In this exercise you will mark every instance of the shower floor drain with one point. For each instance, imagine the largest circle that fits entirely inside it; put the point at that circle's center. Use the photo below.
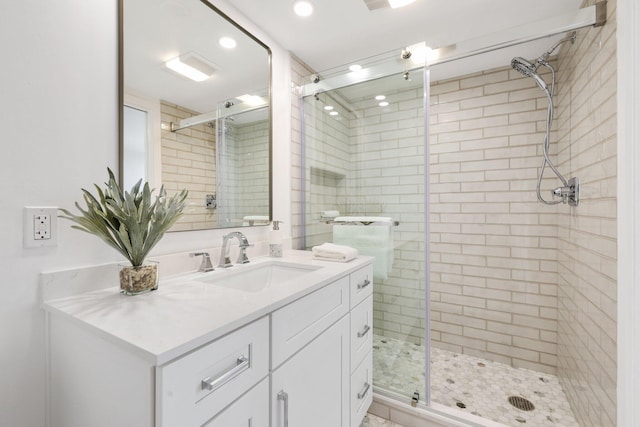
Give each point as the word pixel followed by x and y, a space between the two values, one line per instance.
pixel 521 403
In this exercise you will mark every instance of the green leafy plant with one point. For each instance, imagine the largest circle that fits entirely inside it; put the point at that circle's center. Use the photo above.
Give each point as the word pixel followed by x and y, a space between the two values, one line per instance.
pixel 129 222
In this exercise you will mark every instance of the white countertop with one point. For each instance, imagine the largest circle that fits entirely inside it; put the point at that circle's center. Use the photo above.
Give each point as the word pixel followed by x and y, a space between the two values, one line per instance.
pixel 183 313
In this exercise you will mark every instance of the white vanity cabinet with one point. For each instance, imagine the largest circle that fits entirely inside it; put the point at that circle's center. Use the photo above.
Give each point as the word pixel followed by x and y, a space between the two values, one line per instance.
pixel 361 342
pixel 296 359
pixel 308 384
pixel 192 389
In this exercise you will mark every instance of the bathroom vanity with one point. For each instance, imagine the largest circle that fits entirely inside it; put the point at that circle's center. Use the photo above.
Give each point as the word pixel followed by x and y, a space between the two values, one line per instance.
pixel 277 342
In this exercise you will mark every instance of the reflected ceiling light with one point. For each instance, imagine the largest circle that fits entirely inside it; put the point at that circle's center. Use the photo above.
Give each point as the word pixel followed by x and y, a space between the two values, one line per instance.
pixel 227 42
pixel 252 100
pixel 333 113
pixel 380 97
pixel 303 8
pixel 192 66
pixel 355 67
pixel 383 104
pixel 328 107
pixel 399 3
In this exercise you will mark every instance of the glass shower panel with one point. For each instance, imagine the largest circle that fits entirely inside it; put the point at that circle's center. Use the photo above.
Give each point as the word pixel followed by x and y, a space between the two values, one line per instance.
pixel 493 247
pixel 364 156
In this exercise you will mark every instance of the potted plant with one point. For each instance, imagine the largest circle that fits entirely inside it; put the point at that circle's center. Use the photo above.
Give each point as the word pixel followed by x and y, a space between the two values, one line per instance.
pixel 132 224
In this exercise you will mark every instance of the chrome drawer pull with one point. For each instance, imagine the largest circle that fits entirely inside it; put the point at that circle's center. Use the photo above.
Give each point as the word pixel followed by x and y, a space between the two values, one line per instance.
pixel 242 364
pixel 364 331
pixel 282 395
pixel 364 284
pixel 364 391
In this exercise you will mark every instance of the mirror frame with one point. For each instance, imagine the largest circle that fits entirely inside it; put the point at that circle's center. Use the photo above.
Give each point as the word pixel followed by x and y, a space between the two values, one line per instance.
pixel 120 46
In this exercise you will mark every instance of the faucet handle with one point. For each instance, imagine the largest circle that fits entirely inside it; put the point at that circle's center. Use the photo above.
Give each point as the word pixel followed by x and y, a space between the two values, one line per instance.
pixel 205 265
pixel 242 256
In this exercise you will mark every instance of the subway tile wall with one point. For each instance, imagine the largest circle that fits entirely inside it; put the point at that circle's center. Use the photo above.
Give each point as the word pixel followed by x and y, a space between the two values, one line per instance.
pixel 189 161
pixel 245 183
pixel 493 245
pixel 587 259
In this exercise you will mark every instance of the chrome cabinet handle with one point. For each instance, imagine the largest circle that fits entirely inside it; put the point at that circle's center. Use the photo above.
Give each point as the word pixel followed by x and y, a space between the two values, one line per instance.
pixel 364 284
pixel 364 391
pixel 242 364
pixel 364 331
pixel 282 395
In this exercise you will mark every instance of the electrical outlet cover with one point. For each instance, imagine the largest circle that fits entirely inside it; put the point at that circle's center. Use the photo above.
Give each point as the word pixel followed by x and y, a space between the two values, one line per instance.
pixel 40 227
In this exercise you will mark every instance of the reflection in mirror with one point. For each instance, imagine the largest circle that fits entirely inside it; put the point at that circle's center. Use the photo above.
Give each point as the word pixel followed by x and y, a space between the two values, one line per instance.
pixel 208 130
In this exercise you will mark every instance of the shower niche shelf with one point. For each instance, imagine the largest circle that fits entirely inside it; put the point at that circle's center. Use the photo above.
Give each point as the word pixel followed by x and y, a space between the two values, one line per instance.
pixel 326 177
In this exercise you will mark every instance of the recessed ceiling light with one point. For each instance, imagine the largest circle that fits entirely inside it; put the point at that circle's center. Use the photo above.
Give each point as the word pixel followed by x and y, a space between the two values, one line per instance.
pixel 227 42
pixel 355 67
pixel 380 97
pixel 399 3
pixel 328 107
pixel 252 100
pixel 303 8
pixel 383 104
pixel 333 113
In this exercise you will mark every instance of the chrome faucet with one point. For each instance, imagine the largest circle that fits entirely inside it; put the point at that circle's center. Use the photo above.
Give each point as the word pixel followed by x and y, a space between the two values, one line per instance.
pixel 225 262
pixel 205 265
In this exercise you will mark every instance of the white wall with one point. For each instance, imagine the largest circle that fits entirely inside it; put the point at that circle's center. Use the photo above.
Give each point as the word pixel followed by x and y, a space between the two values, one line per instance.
pixel 58 102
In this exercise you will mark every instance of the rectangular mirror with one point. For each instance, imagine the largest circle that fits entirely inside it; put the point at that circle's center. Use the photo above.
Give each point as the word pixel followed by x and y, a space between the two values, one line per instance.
pixel 195 111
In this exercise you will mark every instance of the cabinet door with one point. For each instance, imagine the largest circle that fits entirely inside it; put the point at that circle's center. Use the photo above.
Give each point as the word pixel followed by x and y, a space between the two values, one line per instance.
pixel 312 388
pixel 251 410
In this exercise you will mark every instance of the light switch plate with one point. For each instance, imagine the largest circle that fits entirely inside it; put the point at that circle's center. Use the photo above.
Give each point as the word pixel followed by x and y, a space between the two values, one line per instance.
pixel 40 226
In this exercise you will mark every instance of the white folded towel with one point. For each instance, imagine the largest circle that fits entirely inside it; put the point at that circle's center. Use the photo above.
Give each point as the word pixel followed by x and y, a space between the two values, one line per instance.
pixel 329 214
pixel 333 252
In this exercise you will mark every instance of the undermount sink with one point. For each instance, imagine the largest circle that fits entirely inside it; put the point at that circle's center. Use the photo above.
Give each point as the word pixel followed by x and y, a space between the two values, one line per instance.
pixel 257 277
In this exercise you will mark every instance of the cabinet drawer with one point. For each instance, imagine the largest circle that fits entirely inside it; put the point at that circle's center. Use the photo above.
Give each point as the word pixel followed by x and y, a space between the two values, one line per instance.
pixel 361 284
pixel 361 331
pixel 251 410
pixel 361 390
pixel 296 324
pixel 197 386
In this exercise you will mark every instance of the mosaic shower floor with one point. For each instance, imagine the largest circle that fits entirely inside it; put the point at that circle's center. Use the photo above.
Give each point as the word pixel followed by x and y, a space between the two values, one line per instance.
pixel 477 386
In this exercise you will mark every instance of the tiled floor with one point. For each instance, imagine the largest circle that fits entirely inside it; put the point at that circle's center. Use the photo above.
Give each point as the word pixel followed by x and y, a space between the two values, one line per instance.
pixel 373 421
pixel 473 385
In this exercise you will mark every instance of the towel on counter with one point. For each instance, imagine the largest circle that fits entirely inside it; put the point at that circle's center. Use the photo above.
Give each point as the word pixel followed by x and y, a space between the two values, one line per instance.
pixel 333 252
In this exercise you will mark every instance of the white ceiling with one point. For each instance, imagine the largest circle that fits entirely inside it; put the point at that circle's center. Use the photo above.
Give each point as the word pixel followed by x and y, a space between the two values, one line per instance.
pixel 158 30
pixel 343 31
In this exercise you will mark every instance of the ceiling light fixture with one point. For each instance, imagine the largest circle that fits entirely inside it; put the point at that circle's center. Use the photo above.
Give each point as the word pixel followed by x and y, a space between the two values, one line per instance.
pixel 227 42
pixel 399 3
pixel 383 104
pixel 252 100
pixel 380 97
pixel 355 67
pixel 303 8
pixel 192 67
pixel 333 113
pixel 328 107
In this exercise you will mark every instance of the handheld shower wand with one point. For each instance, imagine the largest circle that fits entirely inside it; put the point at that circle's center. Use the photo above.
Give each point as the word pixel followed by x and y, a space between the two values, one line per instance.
pixel 569 191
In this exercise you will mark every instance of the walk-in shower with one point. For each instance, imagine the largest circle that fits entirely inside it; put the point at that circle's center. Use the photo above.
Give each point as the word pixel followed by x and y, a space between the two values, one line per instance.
pixel 486 311
pixel 570 190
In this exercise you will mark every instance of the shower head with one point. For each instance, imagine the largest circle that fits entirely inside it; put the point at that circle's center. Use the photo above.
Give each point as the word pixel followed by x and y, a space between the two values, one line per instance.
pixel 528 69
pixel 523 66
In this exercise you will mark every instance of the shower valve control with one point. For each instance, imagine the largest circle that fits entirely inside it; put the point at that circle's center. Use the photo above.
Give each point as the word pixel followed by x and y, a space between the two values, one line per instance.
pixel 569 194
